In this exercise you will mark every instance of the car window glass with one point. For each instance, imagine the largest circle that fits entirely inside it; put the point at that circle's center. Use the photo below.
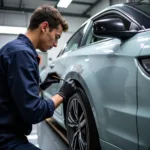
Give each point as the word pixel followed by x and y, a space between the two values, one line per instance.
pixel 91 38
pixel 62 51
pixel 75 40
pixel 59 54
pixel 144 7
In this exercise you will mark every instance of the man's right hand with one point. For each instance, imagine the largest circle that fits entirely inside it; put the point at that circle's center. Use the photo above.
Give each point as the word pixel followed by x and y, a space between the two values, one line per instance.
pixel 68 89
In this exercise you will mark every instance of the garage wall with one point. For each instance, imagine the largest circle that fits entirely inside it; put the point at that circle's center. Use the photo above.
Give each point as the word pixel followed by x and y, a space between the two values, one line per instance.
pixel 11 19
pixel 100 6
pixel 21 19
pixel 105 3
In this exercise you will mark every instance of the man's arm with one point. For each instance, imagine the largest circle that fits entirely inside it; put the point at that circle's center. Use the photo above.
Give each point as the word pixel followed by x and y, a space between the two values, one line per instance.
pixel 23 81
pixel 66 91
pixel 24 87
pixel 57 99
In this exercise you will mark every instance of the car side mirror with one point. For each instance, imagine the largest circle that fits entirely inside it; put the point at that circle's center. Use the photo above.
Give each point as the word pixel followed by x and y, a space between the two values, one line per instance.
pixel 107 25
pixel 112 27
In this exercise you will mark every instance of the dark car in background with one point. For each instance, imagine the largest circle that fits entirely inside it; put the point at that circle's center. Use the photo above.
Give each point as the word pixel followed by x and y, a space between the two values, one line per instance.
pixel 109 59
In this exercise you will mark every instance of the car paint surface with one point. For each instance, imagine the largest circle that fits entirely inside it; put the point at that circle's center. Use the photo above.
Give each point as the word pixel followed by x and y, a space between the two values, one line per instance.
pixel 143 115
pixel 116 87
pixel 109 67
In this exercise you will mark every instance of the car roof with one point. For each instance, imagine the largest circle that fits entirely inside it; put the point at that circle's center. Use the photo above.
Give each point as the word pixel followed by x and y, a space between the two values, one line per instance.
pixel 122 7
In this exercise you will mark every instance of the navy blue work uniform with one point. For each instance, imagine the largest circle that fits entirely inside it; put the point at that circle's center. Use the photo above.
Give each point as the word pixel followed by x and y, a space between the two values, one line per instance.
pixel 20 103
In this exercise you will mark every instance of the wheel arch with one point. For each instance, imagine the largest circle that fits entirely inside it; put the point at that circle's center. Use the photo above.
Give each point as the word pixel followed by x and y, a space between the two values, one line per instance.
pixel 82 84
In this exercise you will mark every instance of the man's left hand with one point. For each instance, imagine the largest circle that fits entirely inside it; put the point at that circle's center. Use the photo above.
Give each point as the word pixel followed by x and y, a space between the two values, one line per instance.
pixel 49 80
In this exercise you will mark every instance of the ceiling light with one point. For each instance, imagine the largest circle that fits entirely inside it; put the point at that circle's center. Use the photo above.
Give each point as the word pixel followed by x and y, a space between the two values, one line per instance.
pixel 64 3
pixel 12 30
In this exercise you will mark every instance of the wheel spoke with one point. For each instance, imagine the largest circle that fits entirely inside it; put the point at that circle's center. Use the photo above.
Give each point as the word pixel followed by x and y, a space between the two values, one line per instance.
pixel 81 117
pixel 72 122
pixel 82 144
pixel 74 140
pixel 72 125
pixel 83 123
pixel 75 109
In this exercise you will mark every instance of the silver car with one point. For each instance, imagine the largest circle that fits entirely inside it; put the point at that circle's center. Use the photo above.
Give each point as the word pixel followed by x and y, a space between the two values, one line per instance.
pixel 109 59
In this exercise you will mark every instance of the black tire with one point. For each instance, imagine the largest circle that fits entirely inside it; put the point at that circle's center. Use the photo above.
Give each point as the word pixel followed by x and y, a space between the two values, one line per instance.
pixel 81 129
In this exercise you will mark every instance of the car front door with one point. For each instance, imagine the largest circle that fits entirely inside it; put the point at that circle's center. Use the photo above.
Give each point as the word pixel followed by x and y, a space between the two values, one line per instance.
pixel 115 74
pixel 143 86
pixel 57 65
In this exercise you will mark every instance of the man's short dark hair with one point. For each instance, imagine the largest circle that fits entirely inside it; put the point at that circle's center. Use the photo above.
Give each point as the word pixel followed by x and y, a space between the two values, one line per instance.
pixel 50 14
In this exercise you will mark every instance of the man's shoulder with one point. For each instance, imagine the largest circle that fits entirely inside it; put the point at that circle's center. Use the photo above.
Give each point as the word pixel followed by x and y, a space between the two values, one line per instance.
pixel 15 46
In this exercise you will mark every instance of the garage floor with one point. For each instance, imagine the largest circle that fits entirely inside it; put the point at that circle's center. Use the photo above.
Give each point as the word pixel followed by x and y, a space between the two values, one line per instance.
pixel 46 138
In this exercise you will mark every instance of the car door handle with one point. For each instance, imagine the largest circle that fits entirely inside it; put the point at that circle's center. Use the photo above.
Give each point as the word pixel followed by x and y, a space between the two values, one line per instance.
pixel 52 65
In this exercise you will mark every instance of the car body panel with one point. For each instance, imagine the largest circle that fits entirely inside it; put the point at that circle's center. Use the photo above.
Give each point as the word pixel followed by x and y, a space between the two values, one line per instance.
pixel 119 104
pixel 115 85
pixel 108 146
pixel 59 66
pixel 143 114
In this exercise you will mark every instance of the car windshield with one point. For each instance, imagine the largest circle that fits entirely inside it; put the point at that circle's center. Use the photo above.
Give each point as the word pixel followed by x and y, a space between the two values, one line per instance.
pixel 143 6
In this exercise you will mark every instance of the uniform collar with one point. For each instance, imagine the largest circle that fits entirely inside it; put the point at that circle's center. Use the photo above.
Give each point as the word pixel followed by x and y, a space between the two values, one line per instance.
pixel 27 41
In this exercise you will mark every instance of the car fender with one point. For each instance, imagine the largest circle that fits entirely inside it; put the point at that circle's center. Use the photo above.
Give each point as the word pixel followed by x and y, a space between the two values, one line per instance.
pixel 76 76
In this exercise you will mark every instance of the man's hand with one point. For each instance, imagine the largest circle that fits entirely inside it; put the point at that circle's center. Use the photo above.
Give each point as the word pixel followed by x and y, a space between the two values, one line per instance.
pixel 49 80
pixel 68 89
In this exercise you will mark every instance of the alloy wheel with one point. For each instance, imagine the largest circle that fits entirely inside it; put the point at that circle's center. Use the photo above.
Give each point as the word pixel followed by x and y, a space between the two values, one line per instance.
pixel 77 126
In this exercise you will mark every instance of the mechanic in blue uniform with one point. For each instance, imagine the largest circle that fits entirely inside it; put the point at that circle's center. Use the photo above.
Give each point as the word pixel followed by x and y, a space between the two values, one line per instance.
pixel 20 103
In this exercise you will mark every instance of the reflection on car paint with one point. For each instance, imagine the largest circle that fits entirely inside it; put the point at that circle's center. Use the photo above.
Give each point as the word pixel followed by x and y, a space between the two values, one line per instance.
pixel 78 68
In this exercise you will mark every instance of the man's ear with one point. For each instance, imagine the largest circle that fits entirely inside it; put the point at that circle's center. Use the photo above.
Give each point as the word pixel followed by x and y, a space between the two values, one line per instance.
pixel 44 25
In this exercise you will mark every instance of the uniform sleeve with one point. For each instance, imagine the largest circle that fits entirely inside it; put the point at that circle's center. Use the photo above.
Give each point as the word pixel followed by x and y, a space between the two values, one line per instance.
pixel 24 87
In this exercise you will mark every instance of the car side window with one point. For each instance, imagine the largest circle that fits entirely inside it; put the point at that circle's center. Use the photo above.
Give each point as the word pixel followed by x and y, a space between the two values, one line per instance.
pixel 91 38
pixel 75 40
pixel 59 54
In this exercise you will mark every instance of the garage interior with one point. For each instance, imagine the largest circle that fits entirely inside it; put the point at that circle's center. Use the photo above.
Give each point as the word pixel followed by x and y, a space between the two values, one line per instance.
pixel 16 13
pixel 14 19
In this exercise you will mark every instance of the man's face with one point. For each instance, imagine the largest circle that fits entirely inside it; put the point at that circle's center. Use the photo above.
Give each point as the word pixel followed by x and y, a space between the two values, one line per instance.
pixel 49 38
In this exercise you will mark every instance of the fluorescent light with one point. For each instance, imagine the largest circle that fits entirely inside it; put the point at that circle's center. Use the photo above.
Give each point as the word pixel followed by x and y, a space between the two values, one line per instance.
pixel 12 30
pixel 64 3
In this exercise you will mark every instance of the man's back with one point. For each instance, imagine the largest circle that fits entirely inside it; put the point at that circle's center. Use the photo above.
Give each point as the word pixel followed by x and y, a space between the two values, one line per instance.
pixel 11 123
pixel 20 103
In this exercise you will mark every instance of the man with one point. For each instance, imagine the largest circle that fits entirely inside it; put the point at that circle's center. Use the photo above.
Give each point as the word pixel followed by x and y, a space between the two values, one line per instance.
pixel 20 104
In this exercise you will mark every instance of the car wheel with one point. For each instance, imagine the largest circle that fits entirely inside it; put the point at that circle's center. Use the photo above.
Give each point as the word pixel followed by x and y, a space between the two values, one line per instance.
pixel 81 129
